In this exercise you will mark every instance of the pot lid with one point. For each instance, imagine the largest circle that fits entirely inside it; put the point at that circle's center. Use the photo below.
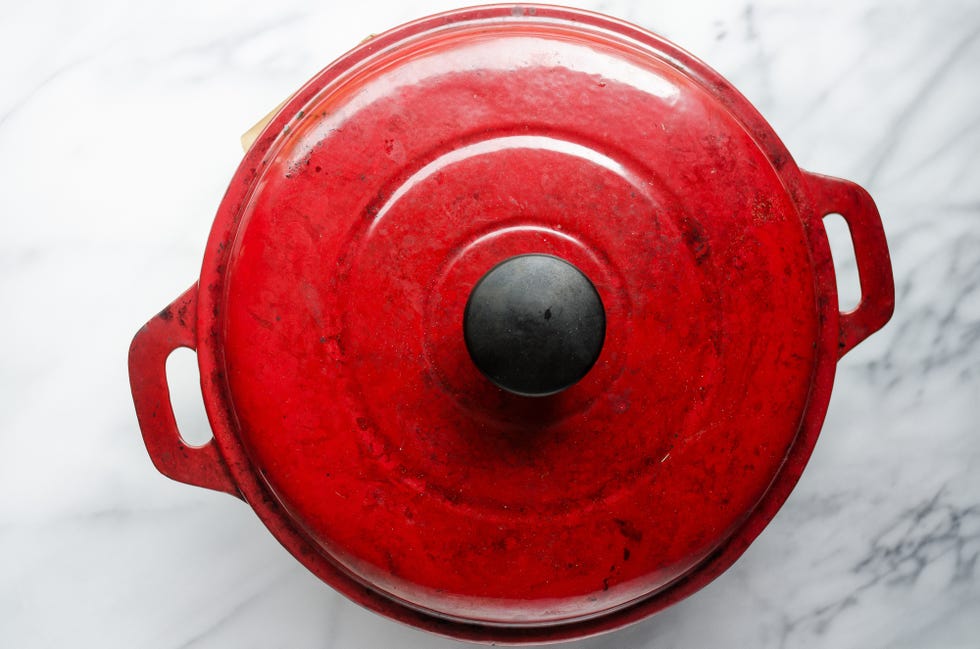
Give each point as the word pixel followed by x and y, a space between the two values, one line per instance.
pixel 513 203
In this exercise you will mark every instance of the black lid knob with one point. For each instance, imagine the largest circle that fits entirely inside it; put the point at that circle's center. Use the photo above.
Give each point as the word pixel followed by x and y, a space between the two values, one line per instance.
pixel 534 325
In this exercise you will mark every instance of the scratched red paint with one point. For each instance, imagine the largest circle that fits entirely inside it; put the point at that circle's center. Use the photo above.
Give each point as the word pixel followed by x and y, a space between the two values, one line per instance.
pixel 328 323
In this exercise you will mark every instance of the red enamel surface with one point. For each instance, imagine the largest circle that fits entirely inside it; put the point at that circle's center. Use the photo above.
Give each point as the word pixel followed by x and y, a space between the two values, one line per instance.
pixel 330 323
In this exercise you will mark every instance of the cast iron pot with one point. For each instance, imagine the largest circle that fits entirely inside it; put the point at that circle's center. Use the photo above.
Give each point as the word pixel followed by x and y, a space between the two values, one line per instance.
pixel 516 324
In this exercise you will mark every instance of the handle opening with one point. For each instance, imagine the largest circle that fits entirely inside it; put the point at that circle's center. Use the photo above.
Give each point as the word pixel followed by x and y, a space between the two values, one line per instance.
pixel 184 384
pixel 845 262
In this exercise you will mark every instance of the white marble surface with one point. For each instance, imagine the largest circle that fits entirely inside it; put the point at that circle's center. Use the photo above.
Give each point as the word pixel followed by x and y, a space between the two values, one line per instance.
pixel 119 125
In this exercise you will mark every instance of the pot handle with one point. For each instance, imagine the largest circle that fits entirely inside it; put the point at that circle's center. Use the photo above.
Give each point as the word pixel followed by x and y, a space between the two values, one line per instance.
pixel 851 201
pixel 173 327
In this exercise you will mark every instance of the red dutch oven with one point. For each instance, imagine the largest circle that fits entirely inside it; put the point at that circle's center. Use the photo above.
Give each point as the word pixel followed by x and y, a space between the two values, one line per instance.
pixel 516 324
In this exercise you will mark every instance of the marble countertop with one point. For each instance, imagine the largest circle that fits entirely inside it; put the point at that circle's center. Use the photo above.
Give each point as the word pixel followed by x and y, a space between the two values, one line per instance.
pixel 119 127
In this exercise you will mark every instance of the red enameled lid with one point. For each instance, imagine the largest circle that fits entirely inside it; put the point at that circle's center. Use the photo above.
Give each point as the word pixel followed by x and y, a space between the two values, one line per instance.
pixel 376 212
